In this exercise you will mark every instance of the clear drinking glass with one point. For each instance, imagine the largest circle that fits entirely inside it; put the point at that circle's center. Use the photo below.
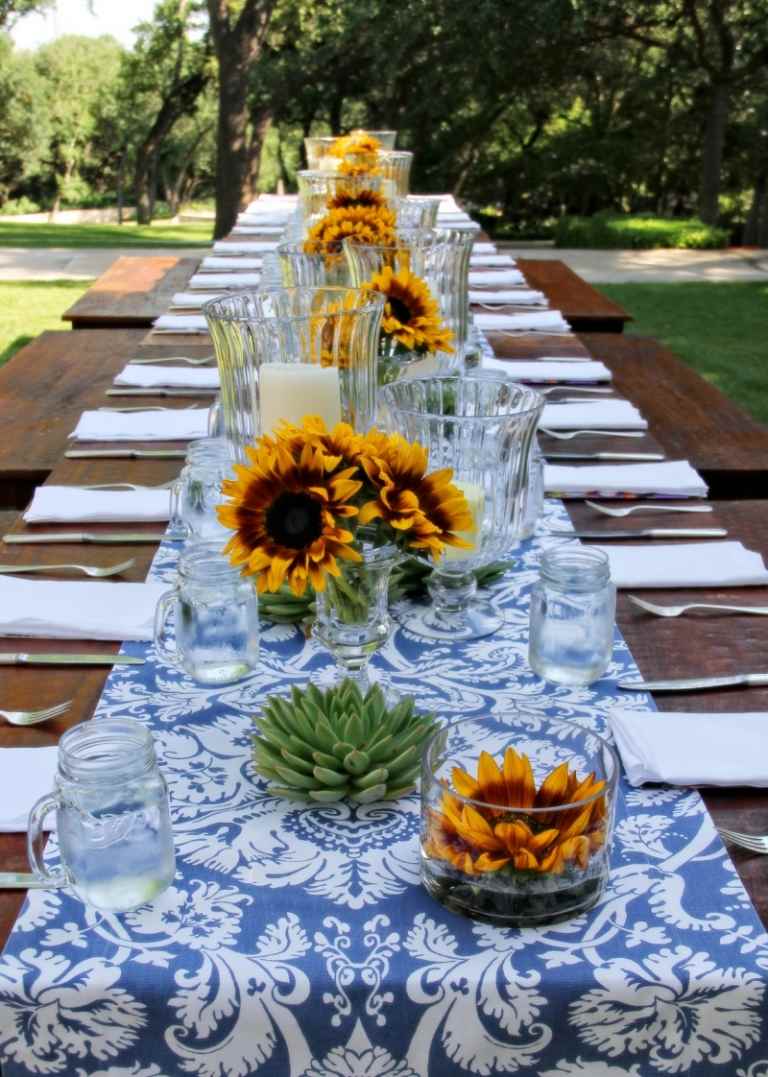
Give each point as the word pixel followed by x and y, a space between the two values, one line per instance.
pixel 530 858
pixel 216 613
pixel 417 211
pixel 291 352
pixel 317 146
pixel 572 614
pixel 194 498
pixel 316 188
pixel 395 165
pixel 112 817
pixel 302 270
pixel 481 428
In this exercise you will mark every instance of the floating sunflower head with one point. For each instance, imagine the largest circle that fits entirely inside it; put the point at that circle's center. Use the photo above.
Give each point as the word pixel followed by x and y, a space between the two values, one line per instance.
pixel 426 509
pixel 500 820
pixel 369 224
pixel 357 141
pixel 345 197
pixel 286 509
pixel 411 314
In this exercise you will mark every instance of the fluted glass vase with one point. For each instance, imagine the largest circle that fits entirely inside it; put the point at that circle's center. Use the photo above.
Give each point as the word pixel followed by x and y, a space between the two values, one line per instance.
pixel 352 619
pixel 301 269
pixel 290 352
pixel 317 147
pixel 482 429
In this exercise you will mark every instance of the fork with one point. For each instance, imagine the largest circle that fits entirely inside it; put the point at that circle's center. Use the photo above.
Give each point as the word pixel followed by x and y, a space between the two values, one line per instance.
pixel 127 486
pixel 676 611
pixel 573 389
pixel 176 359
pixel 601 433
pixel 94 571
pixel 33 717
pixel 755 843
pixel 647 508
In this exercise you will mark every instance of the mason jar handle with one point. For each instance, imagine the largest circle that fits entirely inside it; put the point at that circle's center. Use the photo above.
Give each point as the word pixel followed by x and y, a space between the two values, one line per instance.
pixel 177 529
pixel 164 604
pixel 46 804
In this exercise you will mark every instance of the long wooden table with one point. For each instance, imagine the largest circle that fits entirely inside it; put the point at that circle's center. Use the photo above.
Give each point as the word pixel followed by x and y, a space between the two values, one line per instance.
pixel 134 291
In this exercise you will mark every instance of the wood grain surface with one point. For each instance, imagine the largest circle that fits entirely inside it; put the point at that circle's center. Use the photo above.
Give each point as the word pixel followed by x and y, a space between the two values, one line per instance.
pixel 134 291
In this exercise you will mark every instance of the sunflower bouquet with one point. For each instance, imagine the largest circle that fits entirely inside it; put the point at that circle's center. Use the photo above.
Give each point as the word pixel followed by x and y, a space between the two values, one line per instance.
pixel 311 501
pixel 412 325
pixel 362 213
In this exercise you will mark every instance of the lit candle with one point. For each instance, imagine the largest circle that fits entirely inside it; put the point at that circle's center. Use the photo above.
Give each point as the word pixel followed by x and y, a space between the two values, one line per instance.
pixel 289 391
pixel 475 496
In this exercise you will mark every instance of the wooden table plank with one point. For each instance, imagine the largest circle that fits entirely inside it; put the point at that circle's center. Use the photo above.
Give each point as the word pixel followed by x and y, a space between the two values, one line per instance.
pixel 583 306
pixel 45 388
pixel 689 416
pixel 134 291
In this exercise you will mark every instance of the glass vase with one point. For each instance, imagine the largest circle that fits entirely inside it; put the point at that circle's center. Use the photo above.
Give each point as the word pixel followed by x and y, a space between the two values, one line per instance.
pixel 317 147
pixel 300 269
pixel 316 188
pixel 482 429
pixel 505 839
pixel 352 619
pixel 289 352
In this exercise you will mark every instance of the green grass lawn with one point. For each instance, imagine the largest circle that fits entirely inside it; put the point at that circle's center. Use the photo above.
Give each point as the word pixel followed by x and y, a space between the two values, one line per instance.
pixel 161 234
pixel 29 307
pixel 721 330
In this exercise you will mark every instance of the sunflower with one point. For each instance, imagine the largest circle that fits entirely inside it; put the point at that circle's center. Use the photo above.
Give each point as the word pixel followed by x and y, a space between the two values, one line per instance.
pixel 360 164
pixel 357 141
pixel 285 509
pixel 411 314
pixel 500 830
pixel 427 509
pixel 370 224
pixel 345 197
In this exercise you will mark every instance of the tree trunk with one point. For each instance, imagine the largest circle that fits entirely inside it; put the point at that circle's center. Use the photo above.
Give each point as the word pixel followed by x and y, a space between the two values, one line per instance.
pixel 712 152
pixel 757 211
pixel 238 43
pixel 260 124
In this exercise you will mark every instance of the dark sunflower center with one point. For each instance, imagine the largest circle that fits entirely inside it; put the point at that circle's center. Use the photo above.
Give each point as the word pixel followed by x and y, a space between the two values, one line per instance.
pixel 294 520
pixel 400 310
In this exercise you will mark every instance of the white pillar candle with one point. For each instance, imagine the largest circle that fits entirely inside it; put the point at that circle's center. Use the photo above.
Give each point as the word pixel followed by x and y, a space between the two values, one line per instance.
pixel 289 391
pixel 475 496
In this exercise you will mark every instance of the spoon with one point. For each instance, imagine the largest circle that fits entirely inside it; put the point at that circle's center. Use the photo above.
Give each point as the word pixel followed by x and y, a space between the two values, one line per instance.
pixel 600 433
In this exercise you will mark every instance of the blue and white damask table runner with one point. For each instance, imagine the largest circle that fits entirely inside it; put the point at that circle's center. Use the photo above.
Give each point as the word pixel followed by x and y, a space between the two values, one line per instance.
pixel 297 942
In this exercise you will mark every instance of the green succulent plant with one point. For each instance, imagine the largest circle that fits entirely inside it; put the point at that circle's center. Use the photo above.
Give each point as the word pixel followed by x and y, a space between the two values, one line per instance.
pixel 408 580
pixel 325 746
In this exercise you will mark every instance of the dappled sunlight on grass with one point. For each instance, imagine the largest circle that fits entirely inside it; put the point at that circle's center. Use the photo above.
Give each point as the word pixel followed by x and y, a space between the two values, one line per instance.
pixel 29 307
pixel 162 234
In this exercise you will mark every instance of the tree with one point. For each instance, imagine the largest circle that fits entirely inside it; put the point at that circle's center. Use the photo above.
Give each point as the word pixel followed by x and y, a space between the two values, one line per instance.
pixel 238 29
pixel 81 74
pixel 12 10
pixel 23 118
pixel 163 78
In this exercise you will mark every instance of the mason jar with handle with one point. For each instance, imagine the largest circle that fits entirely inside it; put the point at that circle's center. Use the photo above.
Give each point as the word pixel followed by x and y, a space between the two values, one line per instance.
pixel 112 817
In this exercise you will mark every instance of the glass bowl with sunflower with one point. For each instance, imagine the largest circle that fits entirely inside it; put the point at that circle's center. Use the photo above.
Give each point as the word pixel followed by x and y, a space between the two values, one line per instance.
pixel 517 817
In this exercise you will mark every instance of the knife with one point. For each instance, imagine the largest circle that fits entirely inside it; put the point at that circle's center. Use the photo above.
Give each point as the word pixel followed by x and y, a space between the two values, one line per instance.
pixel 126 454
pixel 23 880
pixel 689 684
pixel 603 455
pixel 168 391
pixel 21 659
pixel 108 537
pixel 649 532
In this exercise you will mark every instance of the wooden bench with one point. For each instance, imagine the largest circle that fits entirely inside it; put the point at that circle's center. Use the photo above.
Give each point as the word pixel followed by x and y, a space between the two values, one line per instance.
pixel 132 293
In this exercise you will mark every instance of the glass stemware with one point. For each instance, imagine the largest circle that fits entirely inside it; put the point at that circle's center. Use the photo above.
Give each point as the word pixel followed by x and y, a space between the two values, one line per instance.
pixel 481 428
pixel 300 269
pixel 317 147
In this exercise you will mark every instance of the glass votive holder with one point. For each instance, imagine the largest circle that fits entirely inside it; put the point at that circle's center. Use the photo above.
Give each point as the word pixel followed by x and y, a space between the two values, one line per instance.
pixel 216 614
pixel 572 614
pixel 112 817
pixel 516 818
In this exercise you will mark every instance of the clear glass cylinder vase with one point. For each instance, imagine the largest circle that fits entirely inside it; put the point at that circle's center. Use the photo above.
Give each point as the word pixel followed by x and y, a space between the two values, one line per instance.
pixel 482 429
pixel 290 352
pixel 301 269
pixel 318 188
pixel 352 619
pixel 318 147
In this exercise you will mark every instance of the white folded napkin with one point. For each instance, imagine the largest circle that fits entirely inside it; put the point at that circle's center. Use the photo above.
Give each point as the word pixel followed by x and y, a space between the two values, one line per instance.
pixel 172 377
pixel 75 609
pixel 70 504
pixel 225 281
pixel 549 321
pixel 233 264
pixel 538 370
pixel 686 564
pixel 258 229
pixel 593 415
pixel 668 478
pixel 449 213
pixel 491 260
pixel 484 248
pixel 494 277
pixel 527 297
pixel 455 224
pixel 692 749
pixel 180 323
pixel 26 774
pixel 271 218
pixel 170 424
pixel 193 300
pixel 253 247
